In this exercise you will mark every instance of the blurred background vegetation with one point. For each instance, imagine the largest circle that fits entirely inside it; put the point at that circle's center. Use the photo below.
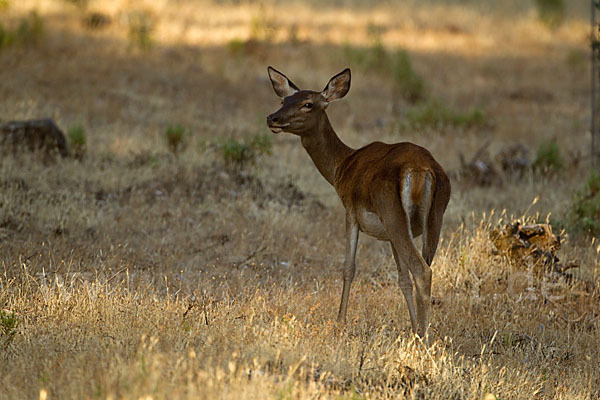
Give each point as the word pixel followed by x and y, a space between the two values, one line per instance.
pixel 182 249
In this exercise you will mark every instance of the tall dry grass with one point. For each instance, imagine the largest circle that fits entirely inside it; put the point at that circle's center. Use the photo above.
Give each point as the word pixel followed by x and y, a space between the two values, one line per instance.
pixel 135 273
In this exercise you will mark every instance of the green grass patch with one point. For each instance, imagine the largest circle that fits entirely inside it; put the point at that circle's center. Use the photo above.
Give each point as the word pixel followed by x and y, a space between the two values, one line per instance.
pixel 551 12
pixel 77 141
pixel 175 138
pixel 29 32
pixel 141 30
pixel 8 326
pixel 397 65
pixel 584 212
pixel 408 82
pixel 549 158
pixel 236 46
pixel 436 115
pixel 238 153
pixel 368 59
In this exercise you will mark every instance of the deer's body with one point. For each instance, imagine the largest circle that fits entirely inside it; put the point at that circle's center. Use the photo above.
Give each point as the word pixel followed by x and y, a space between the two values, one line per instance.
pixel 393 192
pixel 401 172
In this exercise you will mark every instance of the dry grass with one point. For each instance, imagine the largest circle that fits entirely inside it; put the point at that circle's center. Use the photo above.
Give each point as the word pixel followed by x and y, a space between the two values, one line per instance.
pixel 134 272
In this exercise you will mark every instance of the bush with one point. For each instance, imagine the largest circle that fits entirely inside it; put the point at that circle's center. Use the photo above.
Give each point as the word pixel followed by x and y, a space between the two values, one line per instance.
pixel 8 326
pixel 175 138
pixel 262 28
pixel 551 12
pixel 409 83
pixel 6 38
pixel 77 141
pixel 141 28
pixel 397 66
pixel 29 31
pixel 584 213
pixel 548 157
pixel 434 114
pixel 236 46
pixel 372 58
pixel 239 153
pixel 262 143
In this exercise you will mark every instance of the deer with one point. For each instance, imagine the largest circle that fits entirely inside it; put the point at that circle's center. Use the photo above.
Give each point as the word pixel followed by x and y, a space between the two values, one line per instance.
pixel 392 192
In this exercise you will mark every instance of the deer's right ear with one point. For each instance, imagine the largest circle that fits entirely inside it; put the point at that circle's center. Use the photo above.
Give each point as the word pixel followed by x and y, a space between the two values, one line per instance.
pixel 282 85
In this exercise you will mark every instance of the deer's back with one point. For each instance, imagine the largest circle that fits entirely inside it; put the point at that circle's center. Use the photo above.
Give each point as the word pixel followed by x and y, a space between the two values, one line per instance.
pixel 381 167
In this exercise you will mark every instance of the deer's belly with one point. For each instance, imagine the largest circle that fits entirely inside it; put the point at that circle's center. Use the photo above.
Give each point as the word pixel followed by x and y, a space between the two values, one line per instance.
pixel 370 224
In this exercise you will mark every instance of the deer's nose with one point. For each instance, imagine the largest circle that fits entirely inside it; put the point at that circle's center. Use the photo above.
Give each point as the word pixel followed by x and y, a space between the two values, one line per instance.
pixel 272 119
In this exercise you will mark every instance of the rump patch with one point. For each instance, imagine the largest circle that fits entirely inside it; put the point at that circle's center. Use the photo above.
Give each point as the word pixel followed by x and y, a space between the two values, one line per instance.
pixel 407 199
pixel 417 195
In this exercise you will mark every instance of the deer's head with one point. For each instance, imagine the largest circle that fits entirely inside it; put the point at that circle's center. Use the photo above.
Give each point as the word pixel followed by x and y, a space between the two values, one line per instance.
pixel 302 109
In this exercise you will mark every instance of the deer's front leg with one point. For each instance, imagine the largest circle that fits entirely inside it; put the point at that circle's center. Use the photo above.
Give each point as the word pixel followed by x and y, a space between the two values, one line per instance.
pixel 349 263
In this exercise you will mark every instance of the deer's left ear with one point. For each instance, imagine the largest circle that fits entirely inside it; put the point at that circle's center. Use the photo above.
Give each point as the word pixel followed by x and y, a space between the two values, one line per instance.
pixel 337 87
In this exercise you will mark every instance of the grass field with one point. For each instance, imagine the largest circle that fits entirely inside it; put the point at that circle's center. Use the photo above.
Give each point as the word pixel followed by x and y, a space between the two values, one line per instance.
pixel 138 271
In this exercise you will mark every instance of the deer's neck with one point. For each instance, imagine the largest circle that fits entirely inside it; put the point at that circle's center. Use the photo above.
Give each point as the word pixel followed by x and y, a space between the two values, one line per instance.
pixel 325 148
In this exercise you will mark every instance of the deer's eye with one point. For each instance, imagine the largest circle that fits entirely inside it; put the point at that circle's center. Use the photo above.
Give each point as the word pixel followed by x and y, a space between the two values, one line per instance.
pixel 308 105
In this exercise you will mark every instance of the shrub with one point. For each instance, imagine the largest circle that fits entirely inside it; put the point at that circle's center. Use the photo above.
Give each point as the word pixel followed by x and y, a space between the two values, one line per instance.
pixel 175 138
pixel 77 141
pixel 551 12
pixel 236 46
pixel 397 66
pixel 6 38
pixel 548 157
pixel 29 31
pixel 293 38
pixel 262 143
pixel 409 83
pixel 584 212
pixel 8 326
pixel 262 27
pixel 239 153
pixel 372 58
pixel 141 28
pixel 96 20
pixel 435 114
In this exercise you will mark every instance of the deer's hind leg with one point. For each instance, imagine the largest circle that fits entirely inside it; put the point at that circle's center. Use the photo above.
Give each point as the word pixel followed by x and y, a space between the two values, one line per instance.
pixel 349 263
pixel 394 214
pixel 406 287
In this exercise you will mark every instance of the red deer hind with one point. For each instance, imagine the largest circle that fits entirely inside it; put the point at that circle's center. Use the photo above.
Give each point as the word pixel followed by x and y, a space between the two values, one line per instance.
pixel 393 192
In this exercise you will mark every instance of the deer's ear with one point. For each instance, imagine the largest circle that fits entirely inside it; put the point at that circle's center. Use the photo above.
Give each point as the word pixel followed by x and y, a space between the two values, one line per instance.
pixel 282 85
pixel 337 87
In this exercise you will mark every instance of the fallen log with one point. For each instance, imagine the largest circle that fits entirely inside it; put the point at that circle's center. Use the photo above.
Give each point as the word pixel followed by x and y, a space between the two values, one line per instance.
pixel 531 244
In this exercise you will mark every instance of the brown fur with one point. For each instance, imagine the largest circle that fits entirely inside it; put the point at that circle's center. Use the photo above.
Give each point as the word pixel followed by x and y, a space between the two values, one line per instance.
pixel 382 186
pixel 377 165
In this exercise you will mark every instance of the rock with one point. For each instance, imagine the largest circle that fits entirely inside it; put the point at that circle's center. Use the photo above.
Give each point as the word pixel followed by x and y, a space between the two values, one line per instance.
pixel 41 135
